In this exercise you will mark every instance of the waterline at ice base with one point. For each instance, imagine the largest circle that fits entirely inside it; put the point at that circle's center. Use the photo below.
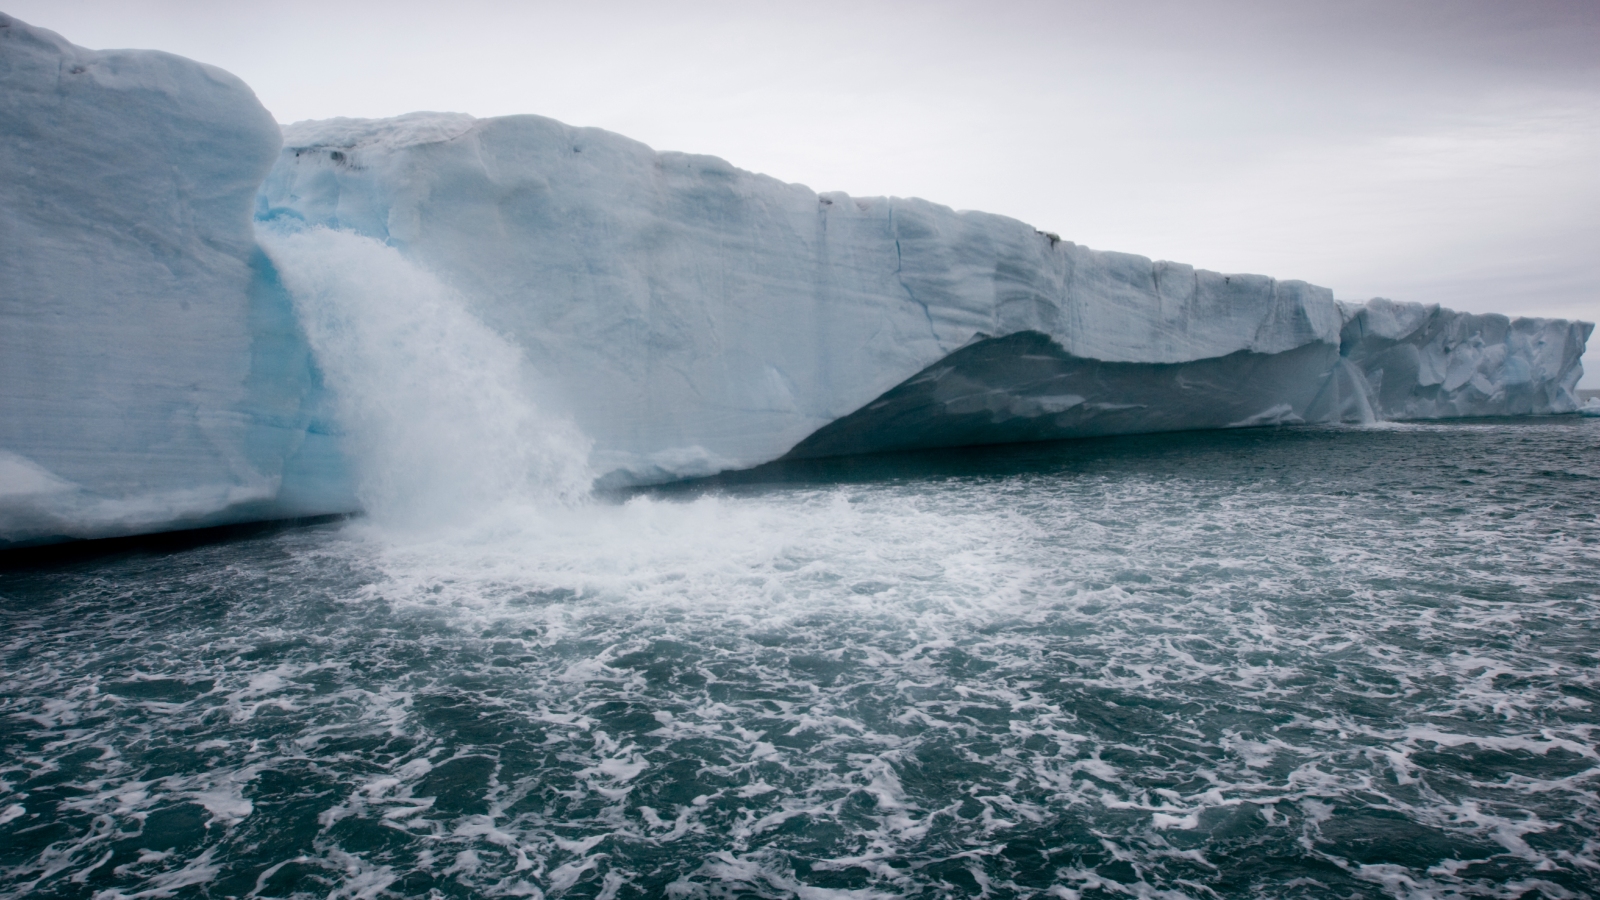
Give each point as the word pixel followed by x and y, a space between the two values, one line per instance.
pixel 208 320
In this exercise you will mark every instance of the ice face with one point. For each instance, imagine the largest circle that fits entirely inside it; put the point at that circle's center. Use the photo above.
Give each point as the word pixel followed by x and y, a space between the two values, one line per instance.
pixel 1423 362
pixel 151 370
pixel 693 317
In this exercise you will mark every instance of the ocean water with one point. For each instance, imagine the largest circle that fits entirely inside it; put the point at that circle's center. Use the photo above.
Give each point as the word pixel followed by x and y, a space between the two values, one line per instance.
pixel 1294 662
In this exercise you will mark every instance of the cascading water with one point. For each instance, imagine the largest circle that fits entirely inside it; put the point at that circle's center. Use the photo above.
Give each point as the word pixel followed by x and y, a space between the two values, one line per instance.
pixel 437 407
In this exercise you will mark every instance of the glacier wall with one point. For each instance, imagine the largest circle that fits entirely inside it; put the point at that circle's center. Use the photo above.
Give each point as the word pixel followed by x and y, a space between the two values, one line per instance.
pixel 693 317
pixel 1394 361
pixel 1424 362
pixel 152 372
pixel 205 320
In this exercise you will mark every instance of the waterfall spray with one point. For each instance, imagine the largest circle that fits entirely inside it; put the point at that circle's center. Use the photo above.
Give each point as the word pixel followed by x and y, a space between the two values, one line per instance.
pixel 437 408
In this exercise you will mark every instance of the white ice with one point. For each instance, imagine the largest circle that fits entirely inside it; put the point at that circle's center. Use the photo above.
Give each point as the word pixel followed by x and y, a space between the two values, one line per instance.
pixel 151 373
pixel 692 317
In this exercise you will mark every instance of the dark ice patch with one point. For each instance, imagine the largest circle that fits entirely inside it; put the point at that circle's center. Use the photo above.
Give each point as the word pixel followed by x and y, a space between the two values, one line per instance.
pixel 1025 387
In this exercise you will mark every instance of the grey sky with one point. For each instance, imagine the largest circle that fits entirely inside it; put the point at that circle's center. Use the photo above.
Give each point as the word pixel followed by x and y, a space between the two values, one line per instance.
pixel 1437 150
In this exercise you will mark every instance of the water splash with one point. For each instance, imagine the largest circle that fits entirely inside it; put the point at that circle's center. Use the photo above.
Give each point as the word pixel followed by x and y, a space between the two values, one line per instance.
pixel 438 409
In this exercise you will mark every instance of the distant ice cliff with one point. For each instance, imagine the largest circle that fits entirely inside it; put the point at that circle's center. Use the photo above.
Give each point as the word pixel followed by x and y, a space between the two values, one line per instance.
pixel 670 314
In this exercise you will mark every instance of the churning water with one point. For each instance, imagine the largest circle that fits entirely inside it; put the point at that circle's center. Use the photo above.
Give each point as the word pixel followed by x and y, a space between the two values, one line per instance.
pixel 1304 662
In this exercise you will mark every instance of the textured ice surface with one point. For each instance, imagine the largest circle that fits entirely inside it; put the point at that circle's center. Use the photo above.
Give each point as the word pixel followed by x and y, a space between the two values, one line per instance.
pixel 1423 362
pixel 694 317
pixel 151 370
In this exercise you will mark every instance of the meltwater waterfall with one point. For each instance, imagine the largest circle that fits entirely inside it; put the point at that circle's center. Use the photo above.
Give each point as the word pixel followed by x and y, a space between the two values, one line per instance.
pixel 437 410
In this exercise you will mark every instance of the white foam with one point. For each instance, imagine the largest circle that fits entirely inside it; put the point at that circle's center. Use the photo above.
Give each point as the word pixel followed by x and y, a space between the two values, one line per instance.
pixel 1150 654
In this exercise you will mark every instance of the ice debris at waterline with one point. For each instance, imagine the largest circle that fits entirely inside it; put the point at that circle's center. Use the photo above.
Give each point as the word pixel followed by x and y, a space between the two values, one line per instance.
pixel 645 316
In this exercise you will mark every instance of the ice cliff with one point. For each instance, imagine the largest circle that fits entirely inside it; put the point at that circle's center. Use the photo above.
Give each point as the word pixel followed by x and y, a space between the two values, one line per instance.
pixel 163 358
pixel 694 317
pixel 152 375
pixel 1424 362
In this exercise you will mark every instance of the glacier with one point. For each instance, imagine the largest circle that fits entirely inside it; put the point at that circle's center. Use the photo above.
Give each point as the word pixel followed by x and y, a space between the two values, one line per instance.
pixel 205 319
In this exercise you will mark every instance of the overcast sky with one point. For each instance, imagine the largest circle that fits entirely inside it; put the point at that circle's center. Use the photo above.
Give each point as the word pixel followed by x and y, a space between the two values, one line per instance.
pixel 1435 150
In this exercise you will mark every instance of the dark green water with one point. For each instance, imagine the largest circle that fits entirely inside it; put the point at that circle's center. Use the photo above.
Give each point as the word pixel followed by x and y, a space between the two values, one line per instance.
pixel 1267 663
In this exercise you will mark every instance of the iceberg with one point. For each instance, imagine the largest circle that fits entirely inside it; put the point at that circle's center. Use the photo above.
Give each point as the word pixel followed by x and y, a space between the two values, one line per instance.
pixel 205 319
pixel 152 373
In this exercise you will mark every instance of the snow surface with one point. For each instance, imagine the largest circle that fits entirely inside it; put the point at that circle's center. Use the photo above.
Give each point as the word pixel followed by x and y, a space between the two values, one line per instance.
pixel 151 372
pixel 515 307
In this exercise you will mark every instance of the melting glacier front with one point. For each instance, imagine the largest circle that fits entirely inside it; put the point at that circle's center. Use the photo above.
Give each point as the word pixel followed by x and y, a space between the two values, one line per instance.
pixel 1395 361
pixel 153 375
pixel 692 317
pixel 177 349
